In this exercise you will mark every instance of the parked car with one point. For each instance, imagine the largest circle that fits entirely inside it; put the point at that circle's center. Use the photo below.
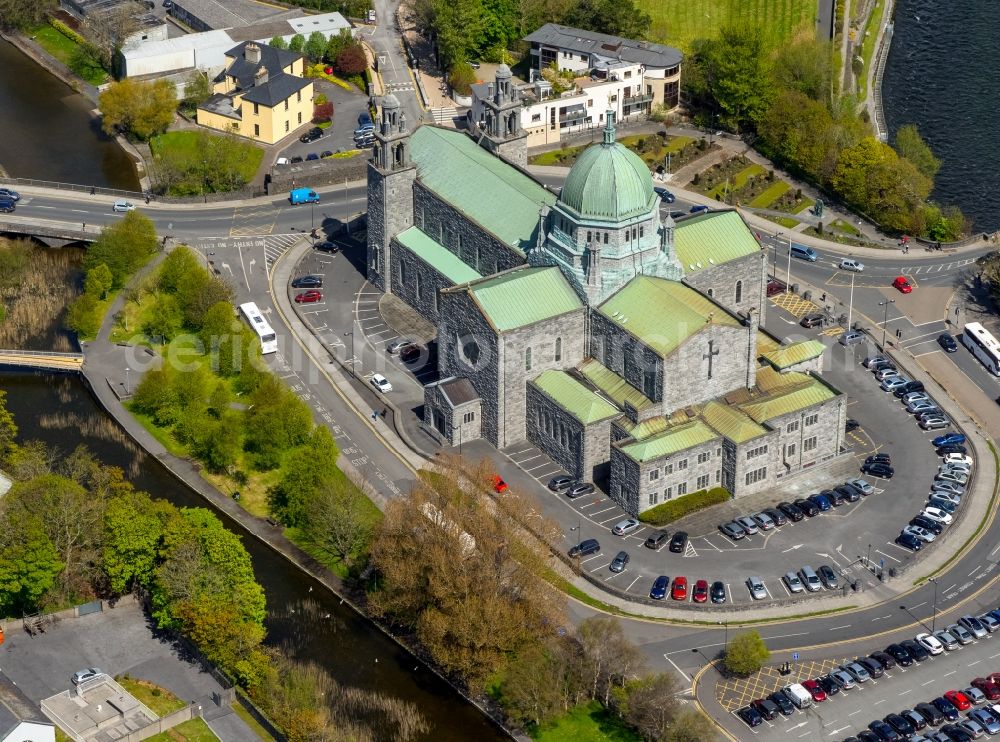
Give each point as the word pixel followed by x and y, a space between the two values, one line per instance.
pixel 902 727
pixel 902 285
pixel 884 373
pixel 698 209
pixel 921 533
pixel 585 548
pixel 750 716
pixel 560 483
pixel 989 689
pixel 851 337
pixel 807 506
pixel 665 195
pixel 659 589
pixel 764 521
pixel 850 264
pixel 312 135
pixel 866 487
pixel 748 524
pixel 814 319
pixel 733 530
pixel 717 592
pixel 307 282
pixel 879 458
pixel 756 587
pixel 958 458
pixel 913 387
pixel 656 540
pixel 843 678
pixel 679 589
pixel 873 667
pixel 767 708
pixel 781 701
pixel 309 297
pixel 947 439
pixel 859 673
pixel 961 633
pixel 884 658
pixel 794 513
pixel 974 625
pixel 958 699
pixel 828 576
pixel 917 650
pixel 815 690
pixel 577 489
pixel 900 653
pixel 909 541
pixel 678 542
pixel 930 643
pixel 820 501
pixel 987 719
pixel 952 487
pixel 948 641
pixel 620 561
pixel 883 731
pixel 930 712
pixel 848 493
pixel 883 471
pixel 777 516
pixel 381 383
pixel 81 676
pixel 936 528
pixel 936 422
pixel 794 582
pixel 871 360
pixel 699 594
pixel 947 342
pixel 312 156
pixel 625 527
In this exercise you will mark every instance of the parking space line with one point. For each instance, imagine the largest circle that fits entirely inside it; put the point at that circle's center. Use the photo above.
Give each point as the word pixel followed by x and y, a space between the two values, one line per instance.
pixel 603 566
pixel 897 561
pixel 613 507
pixel 632 583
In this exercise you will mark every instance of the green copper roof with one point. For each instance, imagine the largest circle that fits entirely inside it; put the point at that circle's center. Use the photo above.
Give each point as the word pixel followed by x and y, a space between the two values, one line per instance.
pixel 672 441
pixel 613 385
pixel 642 431
pixel 795 353
pixel 782 403
pixel 662 313
pixel 713 238
pixel 437 256
pixel 524 296
pixel 488 190
pixel 731 422
pixel 609 181
pixel 575 398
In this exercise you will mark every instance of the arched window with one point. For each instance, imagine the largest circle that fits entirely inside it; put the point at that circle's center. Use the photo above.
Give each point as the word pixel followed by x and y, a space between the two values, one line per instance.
pixel 739 291
pixel 711 293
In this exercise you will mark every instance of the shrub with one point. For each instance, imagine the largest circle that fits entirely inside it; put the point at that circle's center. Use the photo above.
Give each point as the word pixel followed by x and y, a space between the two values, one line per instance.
pixel 461 78
pixel 68 32
pixel 746 653
pixel 681 506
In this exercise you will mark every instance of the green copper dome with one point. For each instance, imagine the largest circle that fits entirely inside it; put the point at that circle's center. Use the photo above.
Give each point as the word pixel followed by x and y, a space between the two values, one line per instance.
pixel 608 181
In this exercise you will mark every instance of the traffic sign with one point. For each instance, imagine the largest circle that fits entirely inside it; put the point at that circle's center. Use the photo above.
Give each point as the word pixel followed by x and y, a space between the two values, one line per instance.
pixel 795 655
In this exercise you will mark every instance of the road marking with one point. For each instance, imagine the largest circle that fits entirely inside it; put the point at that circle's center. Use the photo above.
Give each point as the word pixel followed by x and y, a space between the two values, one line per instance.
pixel 854 712
pixel 973 571
pixel 975 663
pixel 881 617
pixel 927 683
pixel 783 636
pixel 684 675
pixel 837 628
pixel 878 702
pixel 949 673
pixel 903 693
pixel 633 582
pixel 887 556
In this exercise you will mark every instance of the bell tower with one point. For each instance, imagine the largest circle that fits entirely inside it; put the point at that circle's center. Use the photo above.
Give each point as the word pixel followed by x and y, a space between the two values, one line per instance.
pixel 390 190
pixel 504 136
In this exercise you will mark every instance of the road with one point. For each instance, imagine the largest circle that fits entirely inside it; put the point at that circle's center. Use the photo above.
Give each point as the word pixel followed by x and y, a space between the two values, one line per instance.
pixel 387 44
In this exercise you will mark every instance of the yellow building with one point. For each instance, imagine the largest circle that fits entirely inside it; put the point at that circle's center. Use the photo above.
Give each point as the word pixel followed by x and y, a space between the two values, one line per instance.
pixel 260 95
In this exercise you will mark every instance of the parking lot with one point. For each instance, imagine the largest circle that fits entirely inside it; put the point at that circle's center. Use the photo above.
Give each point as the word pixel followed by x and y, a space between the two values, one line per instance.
pixel 850 711
pixel 339 137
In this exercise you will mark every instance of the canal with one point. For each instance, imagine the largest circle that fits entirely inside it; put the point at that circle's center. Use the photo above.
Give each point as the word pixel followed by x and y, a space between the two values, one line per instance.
pixel 303 617
pixel 49 132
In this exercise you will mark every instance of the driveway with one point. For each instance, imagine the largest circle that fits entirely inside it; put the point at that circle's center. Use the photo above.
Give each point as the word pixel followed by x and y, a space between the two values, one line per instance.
pixel 339 137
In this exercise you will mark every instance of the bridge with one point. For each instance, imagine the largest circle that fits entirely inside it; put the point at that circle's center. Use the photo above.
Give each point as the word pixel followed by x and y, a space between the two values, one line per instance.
pixel 50 230
pixel 45 360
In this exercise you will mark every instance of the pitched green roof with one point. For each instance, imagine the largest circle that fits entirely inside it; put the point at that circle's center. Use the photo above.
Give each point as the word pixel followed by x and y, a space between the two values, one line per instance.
pixel 490 191
pixel 731 422
pixel 795 353
pixel 712 238
pixel 766 343
pixel 579 401
pixel 662 313
pixel 781 403
pixel 437 256
pixel 524 296
pixel 674 440
pixel 646 428
pixel 613 385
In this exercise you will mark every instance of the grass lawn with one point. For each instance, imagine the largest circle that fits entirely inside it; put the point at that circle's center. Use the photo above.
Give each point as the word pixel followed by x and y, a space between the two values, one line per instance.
pixel 770 195
pixel 679 22
pixel 841 226
pixel 677 144
pixel 806 203
pixel 158 700
pixel 195 730
pixel 653 152
pixel 251 722
pixel 784 221
pixel 185 146
pixel 868 45
pixel 62 48
pixel 737 182
pixel 589 723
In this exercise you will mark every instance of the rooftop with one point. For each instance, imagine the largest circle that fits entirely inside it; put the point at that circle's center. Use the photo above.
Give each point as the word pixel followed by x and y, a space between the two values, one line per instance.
pixel 98 709
pixel 275 60
pixel 731 422
pixel 523 296
pixel 437 256
pixel 673 440
pixel 279 87
pixel 228 13
pixel 662 313
pixel 778 394
pixel 502 199
pixel 221 104
pixel 326 23
pixel 794 354
pixel 458 391
pixel 575 398
pixel 613 385
pixel 713 238
pixel 206 40
pixel 605 45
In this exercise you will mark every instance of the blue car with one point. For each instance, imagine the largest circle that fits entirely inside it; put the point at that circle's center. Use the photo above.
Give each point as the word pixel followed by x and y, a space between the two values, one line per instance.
pixel 698 209
pixel 659 589
pixel 665 195
pixel 820 501
pixel 948 439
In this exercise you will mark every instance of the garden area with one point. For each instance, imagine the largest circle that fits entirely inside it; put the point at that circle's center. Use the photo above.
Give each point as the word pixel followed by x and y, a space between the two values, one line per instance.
pixel 838 231
pixel 652 148
pixel 72 50
pixel 188 163
pixel 739 182
pixel 679 22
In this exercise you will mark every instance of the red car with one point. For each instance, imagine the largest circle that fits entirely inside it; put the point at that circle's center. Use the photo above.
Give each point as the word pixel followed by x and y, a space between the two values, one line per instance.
pixel 308 297
pixel 679 590
pixel 499 486
pixel 989 688
pixel 815 690
pixel 700 592
pixel 901 284
pixel 959 699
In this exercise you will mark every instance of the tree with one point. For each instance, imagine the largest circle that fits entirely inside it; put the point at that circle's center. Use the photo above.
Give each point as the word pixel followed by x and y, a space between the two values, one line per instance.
pixel 8 429
pixel 911 146
pixel 123 246
pixel 24 14
pixel 649 705
pixel 99 281
pixel 462 77
pixel 83 315
pixel 197 89
pixel 164 320
pixel 351 60
pixel 543 681
pixel 87 62
pixel 799 134
pixel 746 653
pixel 276 421
pixel 338 521
pixel 315 46
pixel 29 563
pixel 457 24
pixel 738 71
pixel 336 44
pixel 133 527
pixel 138 109
pixel 307 471
pixel 805 66
pixel 690 725
pixel 278 42
pixel 297 43
pixel 609 658
pixel 615 17
pixel 109 29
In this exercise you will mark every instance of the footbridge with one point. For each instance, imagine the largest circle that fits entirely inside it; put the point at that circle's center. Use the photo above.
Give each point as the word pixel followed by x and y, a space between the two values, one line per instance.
pixel 45 360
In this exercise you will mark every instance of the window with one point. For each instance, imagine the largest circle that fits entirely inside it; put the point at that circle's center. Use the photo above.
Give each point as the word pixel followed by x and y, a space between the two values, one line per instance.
pixel 436 296
pixel 682 465
pixel 809 444
pixel 605 238
pixel 469 417
pixel 256 109
pixel 640 232
pixel 711 293
pixel 682 488
pixel 583 57
pixel 718 475
pixel 416 283
pixel 812 419
pixel 757 475
pixel 558 349
pixel 668 493
pixel 256 130
pixel 739 292
pixel 402 272
pixel 654 497
pixel 702 482
pixel 789 450
pixel 298 97
pixel 703 457
pixel 286 104
pixel 588 236
pixel 649 383
pixel 536 117
pixel 286 126
pixel 654 475
pixel 755 452
pixel 792 427
pixel 300 117
pixel 527 359
pixel 668 469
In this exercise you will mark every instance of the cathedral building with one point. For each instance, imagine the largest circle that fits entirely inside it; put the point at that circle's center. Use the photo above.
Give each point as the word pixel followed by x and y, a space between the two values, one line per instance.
pixel 623 344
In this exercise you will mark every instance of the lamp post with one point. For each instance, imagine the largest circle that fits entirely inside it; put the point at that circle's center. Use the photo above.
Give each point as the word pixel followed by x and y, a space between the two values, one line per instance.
pixel 788 270
pixel 904 608
pixel 885 318
pixel 725 622
pixel 850 304
pixel 128 387
pixel 354 371
pixel 934 614
pixel 312 222
pixel 774 254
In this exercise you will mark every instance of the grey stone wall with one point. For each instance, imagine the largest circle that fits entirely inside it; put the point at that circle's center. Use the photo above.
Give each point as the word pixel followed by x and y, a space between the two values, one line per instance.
pixel 540 337
pixel 584 450
pixel 514 151
pixel 623 482
pixel 456 430
pixel 639 492
pixel 828 430
pixel 719 282
pixel 685 371
pixel 741 465
pixel 415 282
pixel 625 355
pixel 390 211
pixel 460 234
pixel 326 171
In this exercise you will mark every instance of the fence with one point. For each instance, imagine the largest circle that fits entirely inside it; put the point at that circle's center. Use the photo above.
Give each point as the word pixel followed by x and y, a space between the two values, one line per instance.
pixel 881 55
pixel 76 187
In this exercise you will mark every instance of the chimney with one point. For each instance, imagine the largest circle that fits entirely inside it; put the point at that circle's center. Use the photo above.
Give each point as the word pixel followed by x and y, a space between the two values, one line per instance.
pixel 260 77
pixel 252 53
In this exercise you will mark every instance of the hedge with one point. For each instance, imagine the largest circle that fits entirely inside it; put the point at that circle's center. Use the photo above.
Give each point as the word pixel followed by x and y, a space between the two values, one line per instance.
pixel 681 506
pixel 68 32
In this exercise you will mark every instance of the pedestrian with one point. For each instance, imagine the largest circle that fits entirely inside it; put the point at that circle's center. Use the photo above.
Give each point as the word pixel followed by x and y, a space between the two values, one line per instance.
pixel 374 415
pixel 85 226
pixel 92 190
pixel 384 410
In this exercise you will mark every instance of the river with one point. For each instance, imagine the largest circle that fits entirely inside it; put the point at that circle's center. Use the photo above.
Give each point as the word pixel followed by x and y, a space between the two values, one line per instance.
pixel 49 133
pixel 61 412
pixel 940 76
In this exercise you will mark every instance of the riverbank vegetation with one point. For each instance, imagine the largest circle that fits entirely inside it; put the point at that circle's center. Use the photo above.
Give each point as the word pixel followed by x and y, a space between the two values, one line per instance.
pixel 138 109
pixel 187 163
pixel 72 50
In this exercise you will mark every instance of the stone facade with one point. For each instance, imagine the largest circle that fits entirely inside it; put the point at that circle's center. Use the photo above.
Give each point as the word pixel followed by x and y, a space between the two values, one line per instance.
pixel 415 282
pixel 738 285
pixel 640 486
pixel 688 378
pixel 809 437
pixel 448 424
pixel 747 460
pixel 582 450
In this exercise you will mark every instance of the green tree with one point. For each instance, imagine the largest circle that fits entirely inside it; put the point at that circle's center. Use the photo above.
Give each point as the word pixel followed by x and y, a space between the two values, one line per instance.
pixel 156 397
pixel 542 682
pixel 99 281
pixel 176 266
pixel 8 429
pixel 29 563
pixel 351 60
pixel 690 725
pixel 799 134
pixel 462 77
pixel 336 44
pixel 123 246
pixel 164 320
pixel 138 109
pixel 217 441
pixel 805 65
pixel 458 25
pixel 86 61
pixel 297 43
pixel 133 526
pixel 315 46
pixel 911 146
pixel 746 653
pixel 278 42
pixel 83 316
pixel 648 705
pixel 738 69
pixel 276 421
pixel 23 15
pixel 197 89
pixel 615 17
pixel 307 471
pixel 609 658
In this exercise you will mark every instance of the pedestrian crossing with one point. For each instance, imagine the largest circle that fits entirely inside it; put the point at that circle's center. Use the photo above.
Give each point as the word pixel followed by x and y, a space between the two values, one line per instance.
pixel 399 87
pixel 444 115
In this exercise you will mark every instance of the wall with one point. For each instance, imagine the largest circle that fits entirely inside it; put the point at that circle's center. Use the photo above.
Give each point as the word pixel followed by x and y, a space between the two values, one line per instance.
pixel 586 454
pixel 721 281
pixel 418 276
pixel 829 432
pixel 327 171
pixel 625 355
pixel 685 371
pixel 740 465
pixel 390 211
pixel 645 493
pixel 217 121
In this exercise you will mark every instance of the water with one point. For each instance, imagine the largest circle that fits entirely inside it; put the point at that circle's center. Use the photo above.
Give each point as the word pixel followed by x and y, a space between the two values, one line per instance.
pixel 48 132
pixel 346 644
pixel 940 75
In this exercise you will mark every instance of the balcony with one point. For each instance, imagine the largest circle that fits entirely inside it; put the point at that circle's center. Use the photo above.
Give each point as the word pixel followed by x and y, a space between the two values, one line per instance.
pixel 573 117
pixel 637 100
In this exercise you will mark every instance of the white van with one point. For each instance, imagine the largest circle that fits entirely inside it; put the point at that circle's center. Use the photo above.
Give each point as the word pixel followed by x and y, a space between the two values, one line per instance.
pixel 798 695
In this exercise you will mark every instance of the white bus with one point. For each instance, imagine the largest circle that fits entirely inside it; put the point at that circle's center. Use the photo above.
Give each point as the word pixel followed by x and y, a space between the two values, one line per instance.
pixel 268 340
pixel 983 346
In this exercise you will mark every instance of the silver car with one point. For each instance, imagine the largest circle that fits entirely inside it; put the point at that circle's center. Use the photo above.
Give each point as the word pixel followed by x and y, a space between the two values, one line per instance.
pixel 843 678
pixel 961 633
pixel 893 383
pixel 885 373
pixel 625 527
pixel 793 582
pixel 765 521
pixel 748 524
pixel 948 641
pixel 936 422
pixel 972 624
pixel 911 397
pixel 862 484
pixel 756 587
pixel 952 487
pixel 733 530
pixel 856 671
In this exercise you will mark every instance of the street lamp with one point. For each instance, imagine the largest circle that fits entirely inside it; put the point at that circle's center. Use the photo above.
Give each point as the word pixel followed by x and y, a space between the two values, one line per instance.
pixel 934 614
pixel 904 608
pixel 312 222
pixel 726 623
pixel 788 270
pixel 128 387
pixel 885 318
pixel 774 254
pixel 354 371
